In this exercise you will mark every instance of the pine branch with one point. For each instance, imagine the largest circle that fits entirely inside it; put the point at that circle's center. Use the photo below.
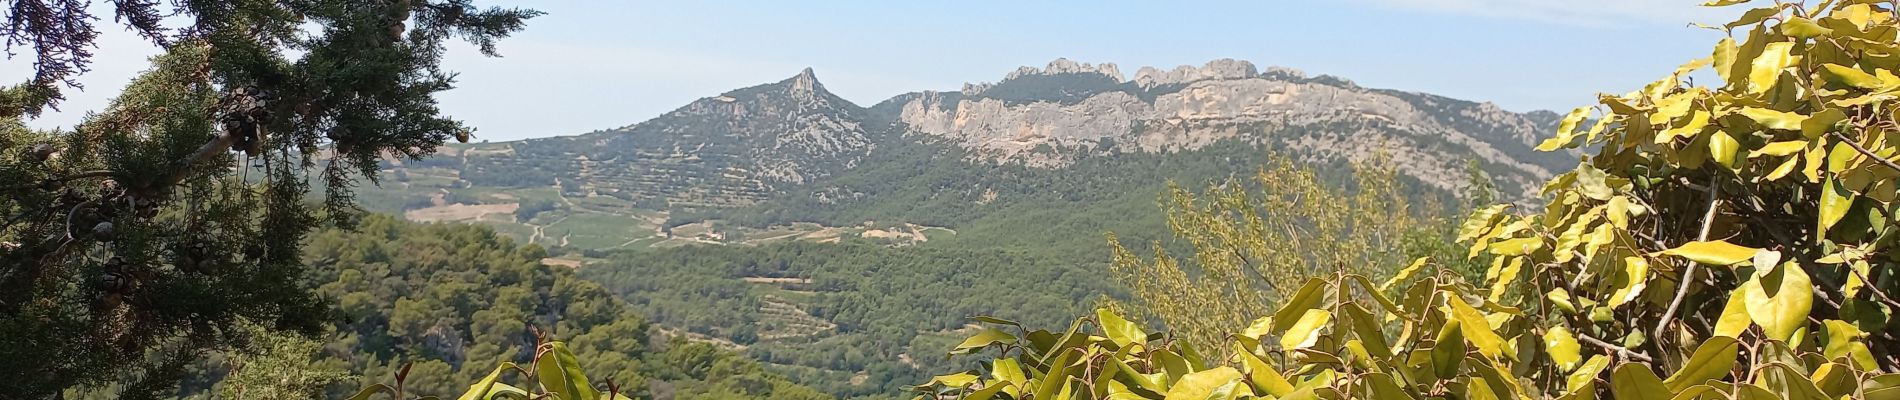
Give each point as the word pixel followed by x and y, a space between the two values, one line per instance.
pixel 77 176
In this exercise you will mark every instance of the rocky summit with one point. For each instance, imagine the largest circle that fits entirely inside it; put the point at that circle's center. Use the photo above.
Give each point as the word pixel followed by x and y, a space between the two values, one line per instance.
pixel 752 144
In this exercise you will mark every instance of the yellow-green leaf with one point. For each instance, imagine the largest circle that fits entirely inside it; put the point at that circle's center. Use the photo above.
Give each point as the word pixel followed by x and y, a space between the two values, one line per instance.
pixel 1724 58
pixel 1563 347
pixel 1635 278
pixel 1713 252
pixel 481 389
pixel 1734 317
pixel 1634 381
pixel 1307 298
pixel 1822 122
pixel 1581 379
pixel 1849 76
pixel 1835 202
pixel 1723 147
pixel 1404 273
pixel 1779 300
pixel 1475 327
pixel 1198 385
pixel 1766 69
pixel 1712 360
pixel 982 339
pixel 1305 333
pixel 559 371
pixel 1774 119
pixel 1778 149
pixel 1118 329
pixel 1802 28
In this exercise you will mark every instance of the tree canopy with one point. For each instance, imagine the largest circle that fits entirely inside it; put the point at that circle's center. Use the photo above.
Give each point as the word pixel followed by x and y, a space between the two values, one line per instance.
pixel 133 241
pixel 1721 241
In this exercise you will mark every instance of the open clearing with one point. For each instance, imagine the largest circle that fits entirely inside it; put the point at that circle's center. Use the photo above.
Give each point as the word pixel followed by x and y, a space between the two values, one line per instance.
pixel 459 212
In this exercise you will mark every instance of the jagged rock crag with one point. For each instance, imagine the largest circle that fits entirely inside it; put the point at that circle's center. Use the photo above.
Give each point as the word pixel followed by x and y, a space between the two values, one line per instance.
pixel 744 146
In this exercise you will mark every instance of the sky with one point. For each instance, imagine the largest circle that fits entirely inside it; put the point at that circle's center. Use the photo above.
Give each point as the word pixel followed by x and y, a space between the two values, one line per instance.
pixel 602 64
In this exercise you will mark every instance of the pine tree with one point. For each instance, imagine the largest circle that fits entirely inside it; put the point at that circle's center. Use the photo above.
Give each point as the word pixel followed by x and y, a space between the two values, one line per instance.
pixel 134 242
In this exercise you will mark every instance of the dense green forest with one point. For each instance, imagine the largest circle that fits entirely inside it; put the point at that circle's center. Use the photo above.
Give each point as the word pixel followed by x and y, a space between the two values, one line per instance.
pixel 828 312
pixel 455 299
pixel 1061 212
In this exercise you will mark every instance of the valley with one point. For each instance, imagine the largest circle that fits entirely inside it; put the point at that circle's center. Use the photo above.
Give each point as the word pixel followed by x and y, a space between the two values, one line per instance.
pixel 744 220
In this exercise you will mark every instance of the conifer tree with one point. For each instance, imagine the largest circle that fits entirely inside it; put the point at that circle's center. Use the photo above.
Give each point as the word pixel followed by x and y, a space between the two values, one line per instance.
pixel 133 242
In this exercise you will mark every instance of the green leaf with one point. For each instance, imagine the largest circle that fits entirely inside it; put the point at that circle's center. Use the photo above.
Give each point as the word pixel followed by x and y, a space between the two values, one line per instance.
pixel 1593 183
pixel 1724 58
pixel 1581 379
pixel 480 390
pixel 1774 119
pixel 1477 329
pixel 560 373
pixel 1712 360
pixel 1788 383
pixel 1634 381
pixel 1778 149
pixel 1563 347
pixel 1850 76
pixel 1404 273
pixel 1722 3
pixel 1008 370
pixel 984 338
pixel 372 390
pixel 1835 202
pixel 1260 327
pixel 1262 375
pixel 955 380
pixel 1802 28
pixel 1822 122
pixel 1723 147
pixel 1635 278
pixel 1566 130
pixel 995 320
pixel 1198 385
pixel 1754 16
pixel 1448 349
pixel 1517 247
pixel 1305 333
pixel 1306 298
pixel 1383 387
pixel 1766 68
pixel 1119 330
pixel 1734 317
pixel 1779 300
pixel 1714 252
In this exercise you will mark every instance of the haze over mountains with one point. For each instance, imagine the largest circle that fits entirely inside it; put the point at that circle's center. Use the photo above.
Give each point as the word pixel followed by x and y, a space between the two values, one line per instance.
pixel 727 207
pixel 791 151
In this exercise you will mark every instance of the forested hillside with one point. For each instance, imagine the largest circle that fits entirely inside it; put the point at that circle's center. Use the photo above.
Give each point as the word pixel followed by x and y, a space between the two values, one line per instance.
pixel 453 300
pixel 853 319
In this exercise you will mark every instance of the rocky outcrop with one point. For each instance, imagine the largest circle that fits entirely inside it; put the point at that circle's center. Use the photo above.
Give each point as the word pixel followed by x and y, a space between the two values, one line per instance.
pixel 1187 108
pixel 1225 68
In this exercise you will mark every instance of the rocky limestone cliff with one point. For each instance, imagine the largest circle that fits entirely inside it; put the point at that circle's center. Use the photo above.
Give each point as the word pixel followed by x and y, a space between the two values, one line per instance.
pixel 1186 108
pixel 730 149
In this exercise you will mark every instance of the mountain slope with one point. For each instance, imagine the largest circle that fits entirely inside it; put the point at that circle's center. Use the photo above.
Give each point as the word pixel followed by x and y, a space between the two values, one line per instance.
pixel 1070 135
pixel 731 149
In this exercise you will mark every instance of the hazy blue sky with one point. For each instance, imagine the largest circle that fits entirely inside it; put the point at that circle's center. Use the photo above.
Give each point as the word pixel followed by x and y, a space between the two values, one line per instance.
pixel 602 64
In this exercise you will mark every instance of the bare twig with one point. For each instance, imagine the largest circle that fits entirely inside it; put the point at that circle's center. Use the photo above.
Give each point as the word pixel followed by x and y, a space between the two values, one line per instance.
pixel 1868 153
pixel 1625 352
pixel 1682 290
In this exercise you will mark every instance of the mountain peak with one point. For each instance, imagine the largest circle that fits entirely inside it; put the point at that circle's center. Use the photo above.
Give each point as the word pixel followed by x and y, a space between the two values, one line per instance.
pixel 1063 65
pixel 805 82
